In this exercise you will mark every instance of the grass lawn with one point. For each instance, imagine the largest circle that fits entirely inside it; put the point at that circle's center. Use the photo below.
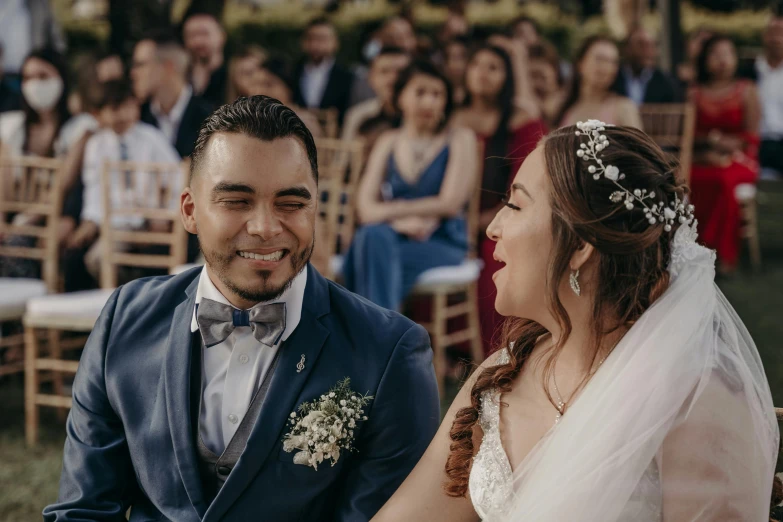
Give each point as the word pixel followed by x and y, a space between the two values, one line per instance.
pixel 28 478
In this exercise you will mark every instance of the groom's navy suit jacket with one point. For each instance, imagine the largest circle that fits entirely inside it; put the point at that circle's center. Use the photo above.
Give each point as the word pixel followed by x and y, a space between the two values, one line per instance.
pixel 129 437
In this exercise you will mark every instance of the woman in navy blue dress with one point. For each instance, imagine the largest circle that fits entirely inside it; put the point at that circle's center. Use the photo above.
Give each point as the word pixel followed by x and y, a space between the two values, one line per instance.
pixel 413 196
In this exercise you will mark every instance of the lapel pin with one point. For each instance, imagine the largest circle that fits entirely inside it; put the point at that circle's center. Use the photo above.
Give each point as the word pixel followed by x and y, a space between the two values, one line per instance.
pixel 300 366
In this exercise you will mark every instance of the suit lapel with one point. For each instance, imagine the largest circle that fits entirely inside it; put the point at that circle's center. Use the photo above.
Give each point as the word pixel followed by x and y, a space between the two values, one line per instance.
pixel 178 403
pixel 284 390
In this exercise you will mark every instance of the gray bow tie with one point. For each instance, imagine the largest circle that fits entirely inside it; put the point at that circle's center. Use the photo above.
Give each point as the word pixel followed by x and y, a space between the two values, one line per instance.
pixel 216 321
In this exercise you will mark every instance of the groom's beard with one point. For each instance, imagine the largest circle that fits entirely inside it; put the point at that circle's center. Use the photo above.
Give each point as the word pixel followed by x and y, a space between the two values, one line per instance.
pixel 220 264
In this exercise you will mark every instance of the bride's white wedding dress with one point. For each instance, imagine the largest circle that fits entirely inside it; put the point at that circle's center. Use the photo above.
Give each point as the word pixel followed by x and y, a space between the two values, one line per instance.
pixel 491 480
pixel 686 384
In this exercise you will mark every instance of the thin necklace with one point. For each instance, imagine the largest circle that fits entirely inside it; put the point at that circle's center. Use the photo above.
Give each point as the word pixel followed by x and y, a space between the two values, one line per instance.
pixel 561 404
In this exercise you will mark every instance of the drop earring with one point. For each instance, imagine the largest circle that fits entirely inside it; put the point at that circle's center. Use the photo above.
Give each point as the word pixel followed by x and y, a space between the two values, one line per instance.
pixel 574 280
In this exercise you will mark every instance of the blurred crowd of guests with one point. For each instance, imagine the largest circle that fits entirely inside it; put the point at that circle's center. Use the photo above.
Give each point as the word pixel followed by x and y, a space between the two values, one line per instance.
pixel 423 108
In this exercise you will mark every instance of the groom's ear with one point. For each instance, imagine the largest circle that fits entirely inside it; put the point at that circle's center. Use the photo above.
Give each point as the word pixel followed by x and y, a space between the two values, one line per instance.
pixel 581 255
pixel 187 209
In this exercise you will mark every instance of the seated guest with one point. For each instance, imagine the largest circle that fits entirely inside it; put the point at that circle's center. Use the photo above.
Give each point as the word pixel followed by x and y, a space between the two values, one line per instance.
pixel 41 127
pixel 320 82
pixel 455 63
pixel 205 41
pixel 109 67
pixel 10 98
pixel 639 78
pixel 769 70
pixel 397 31
pixel 243 72
pixel 125 138
pixel 525 29
pixel 546 80
pixel 370 118
pixel 727 126
pixel 509 134
pixel 412 198
pixel 686 71
pixel 274 80
pixel 159 74
pixel 591 97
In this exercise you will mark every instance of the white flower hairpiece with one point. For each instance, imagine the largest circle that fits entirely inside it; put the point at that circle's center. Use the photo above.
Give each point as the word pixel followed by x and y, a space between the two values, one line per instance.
pixel 657 212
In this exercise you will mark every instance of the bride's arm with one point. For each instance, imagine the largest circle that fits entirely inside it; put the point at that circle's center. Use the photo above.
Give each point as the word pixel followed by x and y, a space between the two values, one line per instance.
pixel 421 496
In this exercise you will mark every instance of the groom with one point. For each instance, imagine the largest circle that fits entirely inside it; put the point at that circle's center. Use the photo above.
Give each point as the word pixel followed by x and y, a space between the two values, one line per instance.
pixel 189 384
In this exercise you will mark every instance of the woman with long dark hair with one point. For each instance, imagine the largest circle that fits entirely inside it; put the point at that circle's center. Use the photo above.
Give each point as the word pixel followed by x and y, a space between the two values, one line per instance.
pixel 412 197
pixel 508 133
pixel 39 128
pixel 590 95
pixel 625 386
pixel 728 115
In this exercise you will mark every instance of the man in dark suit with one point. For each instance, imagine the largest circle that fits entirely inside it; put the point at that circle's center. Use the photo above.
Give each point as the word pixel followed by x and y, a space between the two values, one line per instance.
pixel 190 384
pixel 205 41
pixel 639 77
pixel 159 73
pixel 319 81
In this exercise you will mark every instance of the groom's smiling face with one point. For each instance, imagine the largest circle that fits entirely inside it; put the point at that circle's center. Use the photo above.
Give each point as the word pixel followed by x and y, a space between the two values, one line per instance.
pixel 253 205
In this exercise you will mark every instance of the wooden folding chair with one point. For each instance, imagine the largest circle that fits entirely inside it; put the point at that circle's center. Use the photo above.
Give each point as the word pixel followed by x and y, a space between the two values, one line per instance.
pixel 672 126
pixel 30 206
pixel 339 166
pixel 151 200
pixel 443 284
pixel 329 121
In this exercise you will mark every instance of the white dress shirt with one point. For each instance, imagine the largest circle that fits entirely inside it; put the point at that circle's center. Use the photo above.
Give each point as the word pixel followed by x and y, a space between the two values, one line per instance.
pixel 169 123
pixel 637 85
pixel 143 143
pixel 232 371
pixel 770 83
pixel 314 81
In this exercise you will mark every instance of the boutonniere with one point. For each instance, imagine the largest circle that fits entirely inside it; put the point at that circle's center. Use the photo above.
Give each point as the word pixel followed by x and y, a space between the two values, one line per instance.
pixel 323 427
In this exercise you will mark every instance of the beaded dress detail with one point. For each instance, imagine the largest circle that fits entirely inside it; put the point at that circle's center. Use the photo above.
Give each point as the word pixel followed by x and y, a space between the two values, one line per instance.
pixel 491 480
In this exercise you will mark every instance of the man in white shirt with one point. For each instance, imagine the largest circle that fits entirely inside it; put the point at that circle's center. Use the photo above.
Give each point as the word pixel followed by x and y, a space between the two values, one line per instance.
pixel 639 78
pixel 159 73
pixel 124 138
pixel 319 81
pixel 769 70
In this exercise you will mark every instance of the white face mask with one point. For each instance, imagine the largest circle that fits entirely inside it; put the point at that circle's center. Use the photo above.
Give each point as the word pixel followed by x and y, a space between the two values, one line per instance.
pixel 42 95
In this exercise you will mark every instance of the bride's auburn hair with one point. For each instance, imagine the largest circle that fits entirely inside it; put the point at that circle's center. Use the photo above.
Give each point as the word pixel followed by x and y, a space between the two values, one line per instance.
pixel 632 261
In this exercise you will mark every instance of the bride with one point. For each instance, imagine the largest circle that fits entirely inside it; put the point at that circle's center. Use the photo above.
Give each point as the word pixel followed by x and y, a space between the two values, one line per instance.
pixel 627 389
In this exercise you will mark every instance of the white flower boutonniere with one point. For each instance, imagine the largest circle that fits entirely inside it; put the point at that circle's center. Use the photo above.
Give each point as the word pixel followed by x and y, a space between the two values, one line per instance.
pixel 325 426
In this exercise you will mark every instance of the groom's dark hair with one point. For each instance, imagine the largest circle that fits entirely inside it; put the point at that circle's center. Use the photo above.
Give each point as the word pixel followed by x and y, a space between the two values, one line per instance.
pixel 259 117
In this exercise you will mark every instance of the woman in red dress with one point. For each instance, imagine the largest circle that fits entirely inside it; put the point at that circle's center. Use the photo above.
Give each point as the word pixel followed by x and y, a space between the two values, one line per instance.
pixel 509 126
pixel 727 125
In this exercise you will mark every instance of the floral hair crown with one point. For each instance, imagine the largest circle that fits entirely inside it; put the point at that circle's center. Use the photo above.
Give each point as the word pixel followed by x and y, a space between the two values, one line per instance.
pixel 655 212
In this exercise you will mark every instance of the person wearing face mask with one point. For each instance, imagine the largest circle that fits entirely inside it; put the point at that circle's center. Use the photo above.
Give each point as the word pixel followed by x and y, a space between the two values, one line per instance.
pixel 412 197
pixel 40 128
pixel 591 97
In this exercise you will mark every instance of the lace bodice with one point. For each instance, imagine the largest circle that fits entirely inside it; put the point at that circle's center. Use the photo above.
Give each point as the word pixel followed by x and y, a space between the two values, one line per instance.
pixel 491 479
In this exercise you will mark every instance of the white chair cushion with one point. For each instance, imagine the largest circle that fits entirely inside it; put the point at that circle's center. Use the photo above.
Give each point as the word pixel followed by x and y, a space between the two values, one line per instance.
pixel 182 268
pixel 14 294
pixel 75 310
pixel 745 192
pixel 466 272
